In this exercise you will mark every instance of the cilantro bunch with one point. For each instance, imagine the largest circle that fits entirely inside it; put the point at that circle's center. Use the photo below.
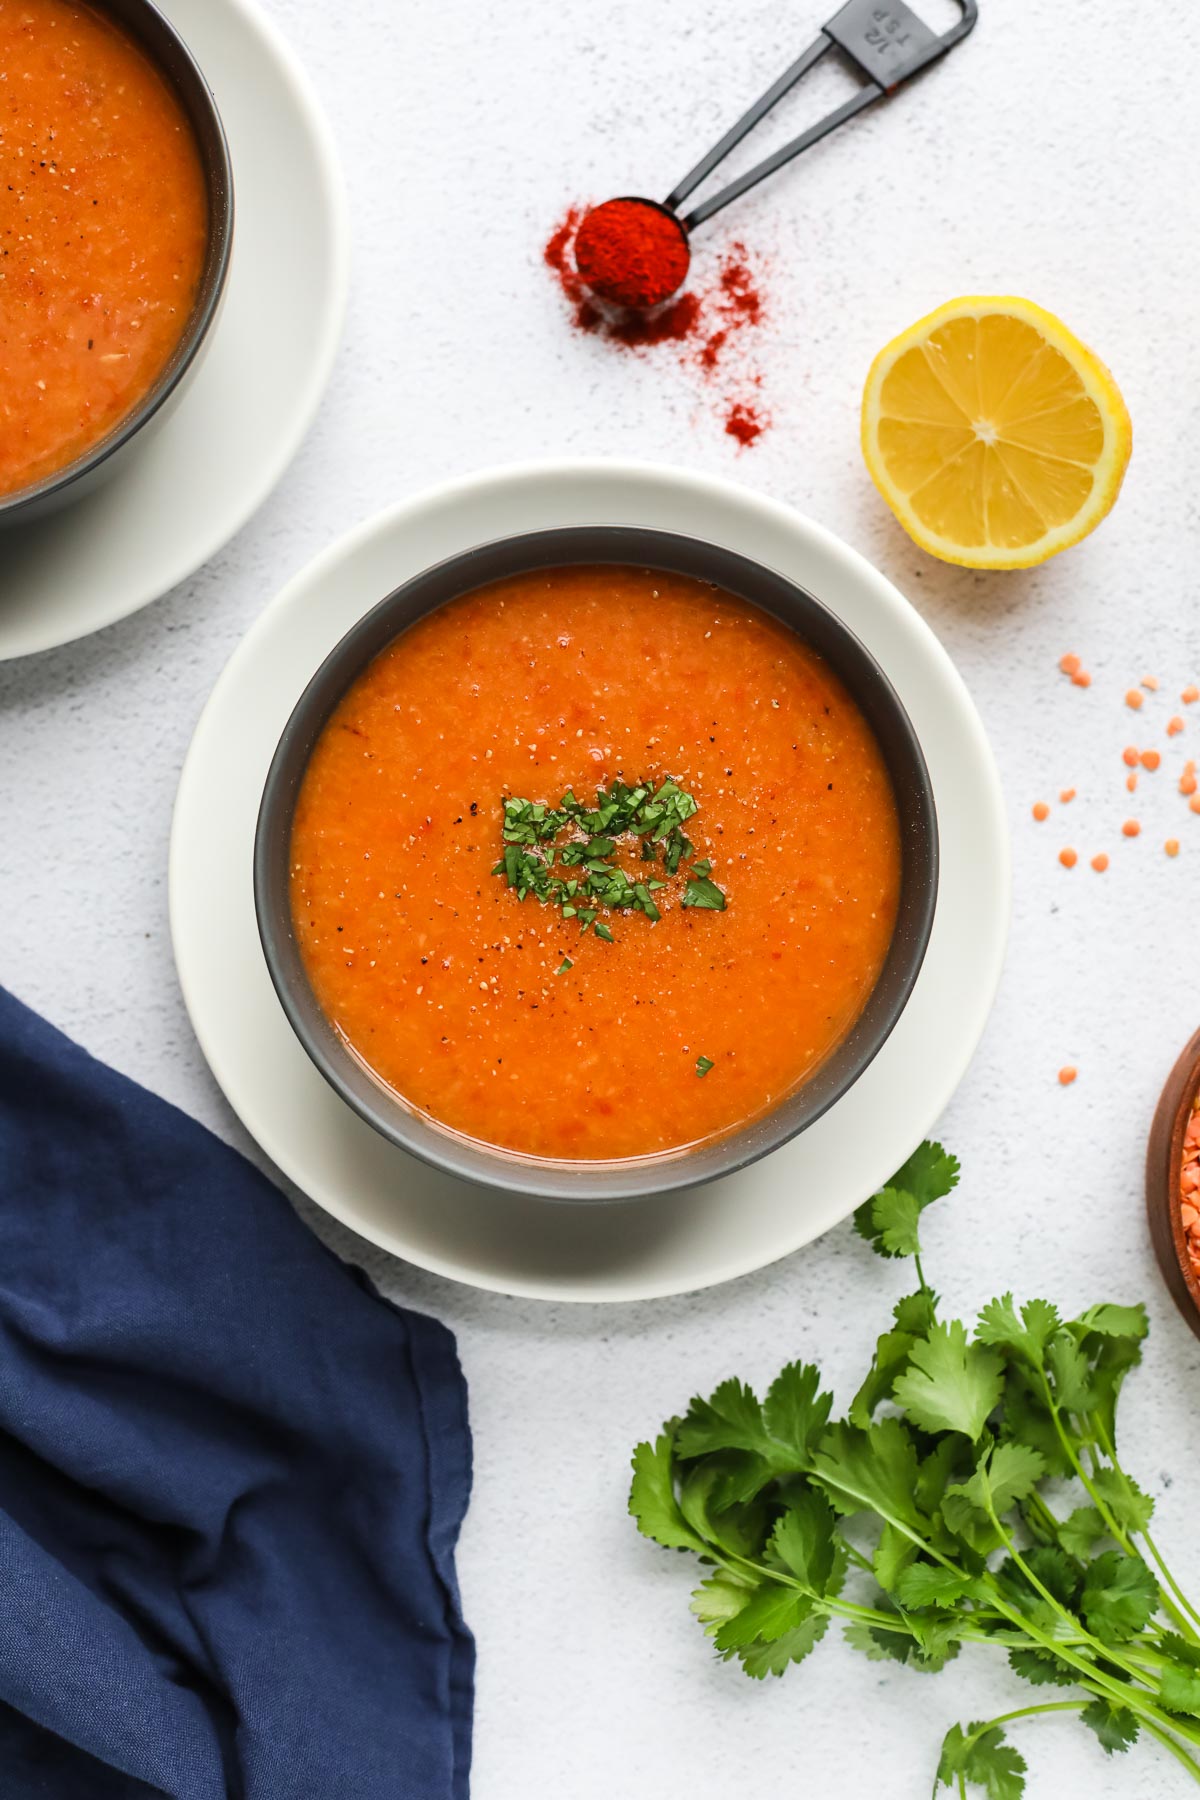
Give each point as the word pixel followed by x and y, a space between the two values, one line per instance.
pixel 971 1494
pixel 591 880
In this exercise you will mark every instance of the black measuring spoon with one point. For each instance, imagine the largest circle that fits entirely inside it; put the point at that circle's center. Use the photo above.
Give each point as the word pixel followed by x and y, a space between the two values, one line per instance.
pixel 886 42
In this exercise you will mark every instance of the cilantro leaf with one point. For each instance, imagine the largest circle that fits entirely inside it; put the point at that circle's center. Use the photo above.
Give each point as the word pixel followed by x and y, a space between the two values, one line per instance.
pixel 950 1385
pixel 1027 1418
pixel 889 1219
pixel 871 1471
pixel 1026 1334
pixel 1180 1691
pixel 890 1360
pixel 713 1500
pixel 1120 1596
pixel 877 1644
pixel 776 1437
pixel 1115 1726
pixel 1042 1668
pixel 929 1174
pixel 1179 1649
pixel 1082 1531
pixel 1129 1506
pixel 937 1642
pixel 916 1313
pixel 719 1599
pixel 652 1499
pixel 893 1553
pixel 805 1540
pixel 1069 1367
pixel 1011 1474
pixel 795 1410
pixel 775 1656
pixel 894 1222
pixel 981 1756
pixel 930 1584
pixel 770 1611
pixel 1116 1321
pixel 773 1627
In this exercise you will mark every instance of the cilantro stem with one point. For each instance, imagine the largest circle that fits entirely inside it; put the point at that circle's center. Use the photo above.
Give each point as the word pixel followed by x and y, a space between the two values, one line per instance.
pixel 1096 1499
pixel 1169 1743
pixel 1134 1698
pixel 1023 1712
pixel 1115 1531
pixel 1188 1630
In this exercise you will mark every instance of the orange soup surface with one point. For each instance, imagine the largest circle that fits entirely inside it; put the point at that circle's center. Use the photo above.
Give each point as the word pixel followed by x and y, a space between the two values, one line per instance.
pixel 499 1017
pixel 103 232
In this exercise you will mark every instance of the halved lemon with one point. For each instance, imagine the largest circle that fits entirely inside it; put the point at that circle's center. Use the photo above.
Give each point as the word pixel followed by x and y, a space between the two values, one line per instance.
pixel 994 435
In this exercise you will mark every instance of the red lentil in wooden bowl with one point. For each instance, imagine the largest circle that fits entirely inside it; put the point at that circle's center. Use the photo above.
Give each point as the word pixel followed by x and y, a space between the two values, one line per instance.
pixel 1173 1183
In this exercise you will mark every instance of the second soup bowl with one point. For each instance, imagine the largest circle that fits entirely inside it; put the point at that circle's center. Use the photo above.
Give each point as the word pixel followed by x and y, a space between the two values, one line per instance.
pixel 628 1177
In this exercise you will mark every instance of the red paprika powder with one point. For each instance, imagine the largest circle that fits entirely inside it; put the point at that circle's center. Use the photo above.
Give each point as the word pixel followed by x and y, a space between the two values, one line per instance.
pixel 631 253
pixel 709 326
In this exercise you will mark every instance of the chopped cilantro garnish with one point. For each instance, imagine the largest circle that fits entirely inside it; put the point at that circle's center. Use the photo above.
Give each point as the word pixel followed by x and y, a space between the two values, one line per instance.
pixel 531 831
pixel 703 1065
pixel 704 894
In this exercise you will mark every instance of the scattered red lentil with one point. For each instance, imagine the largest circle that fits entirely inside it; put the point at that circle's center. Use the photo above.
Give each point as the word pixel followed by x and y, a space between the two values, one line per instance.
pixel 1067 1075
pixel 1072 666
pixel 1135 761
pixel 1189 1185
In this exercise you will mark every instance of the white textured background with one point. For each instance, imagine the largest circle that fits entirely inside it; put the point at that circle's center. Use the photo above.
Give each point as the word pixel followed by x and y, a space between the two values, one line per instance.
pixel 1053 156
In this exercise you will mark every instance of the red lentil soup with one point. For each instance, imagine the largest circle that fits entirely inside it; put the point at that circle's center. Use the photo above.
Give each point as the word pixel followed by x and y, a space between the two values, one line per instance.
pixel 498 1017
pixel 103 232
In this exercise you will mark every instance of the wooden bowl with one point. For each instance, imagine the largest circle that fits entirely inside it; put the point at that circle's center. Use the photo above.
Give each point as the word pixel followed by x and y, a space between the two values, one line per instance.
pixel 1164 1159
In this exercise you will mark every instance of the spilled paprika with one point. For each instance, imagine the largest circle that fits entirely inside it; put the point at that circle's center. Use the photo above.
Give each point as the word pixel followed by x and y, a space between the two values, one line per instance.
pixel 710 326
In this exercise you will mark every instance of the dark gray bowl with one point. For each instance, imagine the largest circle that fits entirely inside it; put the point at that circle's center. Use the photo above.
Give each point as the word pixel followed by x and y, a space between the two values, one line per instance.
pixel 594 1181
pixel 143 21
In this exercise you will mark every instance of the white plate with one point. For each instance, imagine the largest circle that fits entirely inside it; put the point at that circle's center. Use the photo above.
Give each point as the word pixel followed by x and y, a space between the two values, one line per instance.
pixel 217 458
pixel 509 1243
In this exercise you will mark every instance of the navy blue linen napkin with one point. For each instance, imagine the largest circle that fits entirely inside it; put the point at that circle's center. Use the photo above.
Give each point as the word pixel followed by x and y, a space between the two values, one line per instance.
pixel 231 1475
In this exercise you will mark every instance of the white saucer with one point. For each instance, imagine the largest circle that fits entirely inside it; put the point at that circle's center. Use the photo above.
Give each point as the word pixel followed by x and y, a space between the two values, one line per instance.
pixel 511 1244
pixel 217 458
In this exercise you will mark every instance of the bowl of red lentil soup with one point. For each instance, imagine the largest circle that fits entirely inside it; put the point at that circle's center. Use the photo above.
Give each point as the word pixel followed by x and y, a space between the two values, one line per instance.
pixel 595 863
pixel 116 228
pixel 1173 1183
